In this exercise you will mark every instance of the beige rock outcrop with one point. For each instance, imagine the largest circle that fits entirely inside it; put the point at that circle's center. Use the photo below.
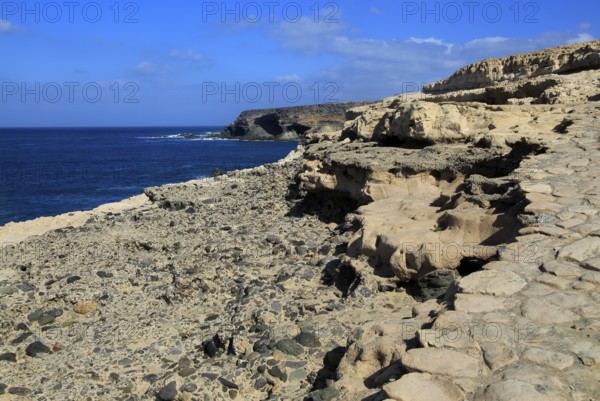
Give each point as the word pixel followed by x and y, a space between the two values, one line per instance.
pixel 560 60
pixel 492 173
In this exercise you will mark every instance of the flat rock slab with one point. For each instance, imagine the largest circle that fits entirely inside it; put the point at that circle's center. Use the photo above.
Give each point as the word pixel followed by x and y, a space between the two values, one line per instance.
pixel 547 358
pixel 441 361
pixel 565 270
pixel 497 356
pixel 539 188
pixel 580 251
pixel 479 303
pixel 423 387
pixel 492 282
pixel 568 300
pixel 592 264
pixel 511 390
pixel 591 277
pixel 544 312
pixel 588 353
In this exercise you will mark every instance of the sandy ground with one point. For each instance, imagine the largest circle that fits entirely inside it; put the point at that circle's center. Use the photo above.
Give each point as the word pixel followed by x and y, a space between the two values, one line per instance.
pixel 12 233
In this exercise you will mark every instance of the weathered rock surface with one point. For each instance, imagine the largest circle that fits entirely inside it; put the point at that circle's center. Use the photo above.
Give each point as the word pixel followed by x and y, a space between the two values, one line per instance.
pixel 560 60
pixel 300 280
pixel 500 184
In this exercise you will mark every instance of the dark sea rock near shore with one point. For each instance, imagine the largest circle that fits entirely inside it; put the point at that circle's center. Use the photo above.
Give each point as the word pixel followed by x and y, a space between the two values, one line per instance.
pixel 289 123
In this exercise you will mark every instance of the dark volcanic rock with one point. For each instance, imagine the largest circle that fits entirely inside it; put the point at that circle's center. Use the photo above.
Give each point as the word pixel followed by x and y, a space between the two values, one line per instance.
pixel 228 383
pixel 308 339
pixel 289 123
pixel 168 392
pixel 19 390
pixel 36 348
pixel 433 285
pixel 214 347
pixel 9 357
pixel 326 394
pixel 279 373
pixel 290 347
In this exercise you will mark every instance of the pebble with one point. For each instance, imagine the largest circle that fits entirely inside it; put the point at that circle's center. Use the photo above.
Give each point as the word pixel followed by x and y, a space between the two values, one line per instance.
pixel 85 308
pixel 36 348
pixel 308 339
pixel 8 357
pixel 278 372
pixel 168 392
pixel 228 383
pixel 19 390
pixel 290 347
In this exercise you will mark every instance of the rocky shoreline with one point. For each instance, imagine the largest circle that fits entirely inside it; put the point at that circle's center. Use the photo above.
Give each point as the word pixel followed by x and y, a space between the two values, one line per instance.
pixel 288 123
pixel 441 246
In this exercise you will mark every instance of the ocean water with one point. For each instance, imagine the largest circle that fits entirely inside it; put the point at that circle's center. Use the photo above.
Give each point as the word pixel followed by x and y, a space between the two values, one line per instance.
pixel 45 172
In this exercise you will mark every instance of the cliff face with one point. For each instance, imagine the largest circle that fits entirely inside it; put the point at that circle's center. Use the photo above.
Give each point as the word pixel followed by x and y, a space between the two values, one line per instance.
pixel 289 123
pixel 560 60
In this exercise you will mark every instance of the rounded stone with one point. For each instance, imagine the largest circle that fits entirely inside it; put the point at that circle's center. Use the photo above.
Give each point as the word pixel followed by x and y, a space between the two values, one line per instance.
pixel 423 387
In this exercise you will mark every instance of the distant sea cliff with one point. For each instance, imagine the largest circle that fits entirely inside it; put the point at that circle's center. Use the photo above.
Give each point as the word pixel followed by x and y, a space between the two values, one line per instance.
pixel 289 123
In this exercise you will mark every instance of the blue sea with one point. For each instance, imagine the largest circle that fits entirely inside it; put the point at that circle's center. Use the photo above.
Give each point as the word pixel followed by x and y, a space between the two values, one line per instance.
pixel 45 172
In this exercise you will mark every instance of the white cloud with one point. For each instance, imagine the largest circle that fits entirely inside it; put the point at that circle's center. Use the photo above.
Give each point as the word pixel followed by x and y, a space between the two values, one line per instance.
pixel 374 10
pixel 366 68
pixel 585 26
pixel 492 40
pixel 7 26
pixel 189 55
pixel 306 36
pixel 288 78
pixel 419 41
pixel 582 37
pixel 147 68
pixel 432 41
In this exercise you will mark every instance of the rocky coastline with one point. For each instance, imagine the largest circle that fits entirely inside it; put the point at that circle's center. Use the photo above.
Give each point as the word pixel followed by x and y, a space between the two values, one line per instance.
pixel 441 245
pixel 288 123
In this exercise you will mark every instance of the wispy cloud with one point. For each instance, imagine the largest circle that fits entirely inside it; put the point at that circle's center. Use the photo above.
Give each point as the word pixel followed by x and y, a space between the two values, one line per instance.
pixel 433 41
pixel 189 55
pixel 288 78
pixel 7 26
pixel 306 36
pixel 489 41
pixel 374 10
pixel 148 68
pixel 582 37
pixel 110 44
pixel 373 68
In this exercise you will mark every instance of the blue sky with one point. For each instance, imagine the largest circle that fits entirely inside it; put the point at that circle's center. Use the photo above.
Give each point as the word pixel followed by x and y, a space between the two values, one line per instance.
pixel 202 62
